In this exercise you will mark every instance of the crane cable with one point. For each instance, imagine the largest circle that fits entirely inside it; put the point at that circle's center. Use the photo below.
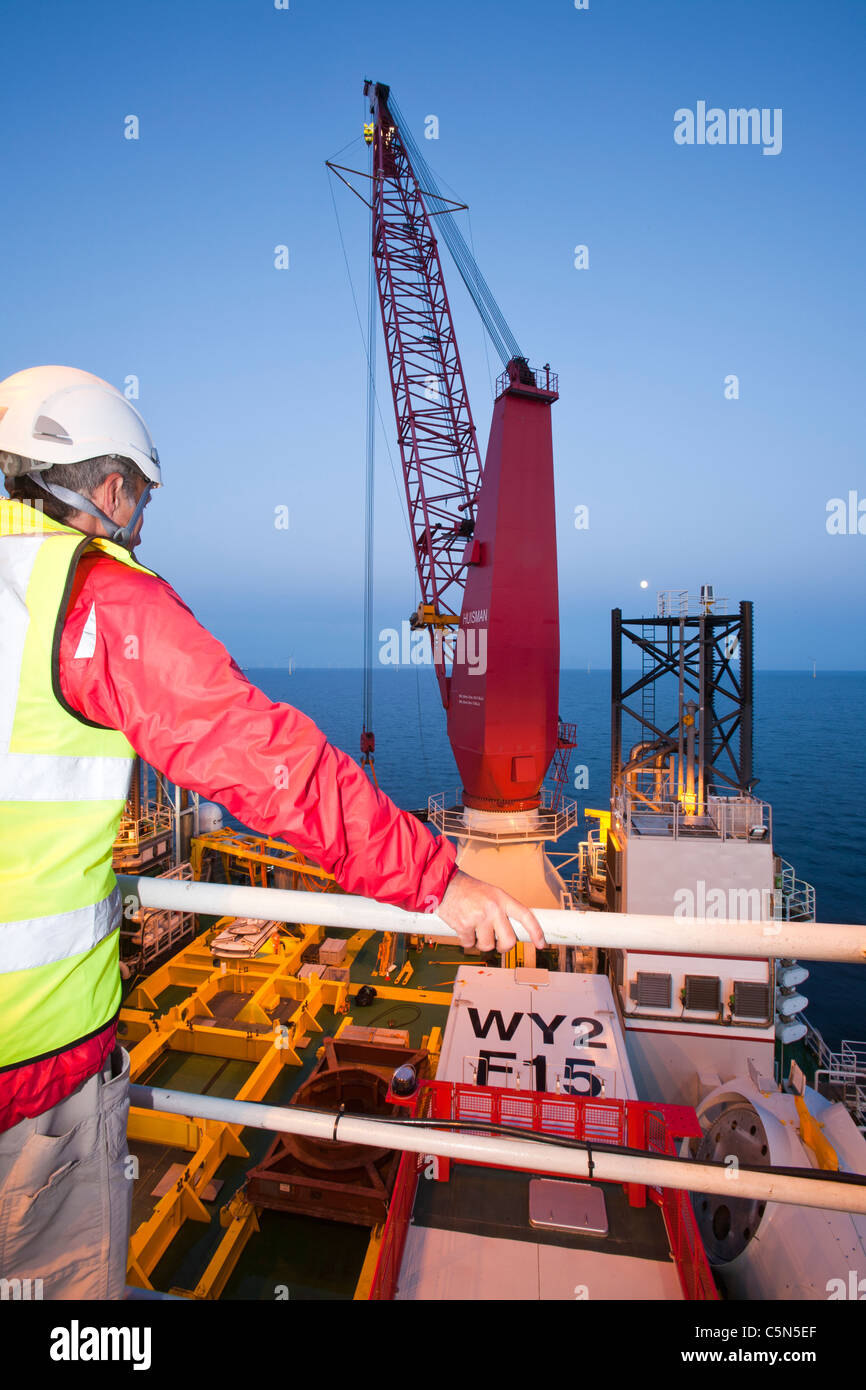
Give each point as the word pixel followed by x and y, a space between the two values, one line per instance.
pixel 369 344
pixel 492 316
pixel 484 336
pixel 368 742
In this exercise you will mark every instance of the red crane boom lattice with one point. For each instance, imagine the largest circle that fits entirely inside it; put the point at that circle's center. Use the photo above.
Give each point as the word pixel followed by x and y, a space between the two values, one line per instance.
pixel 435 430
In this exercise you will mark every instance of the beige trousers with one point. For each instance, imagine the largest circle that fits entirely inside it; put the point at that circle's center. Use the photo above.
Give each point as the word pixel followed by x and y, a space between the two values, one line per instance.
pixel 66 1194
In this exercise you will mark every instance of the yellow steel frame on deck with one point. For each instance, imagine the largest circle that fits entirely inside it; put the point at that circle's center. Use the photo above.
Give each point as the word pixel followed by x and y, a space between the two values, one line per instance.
pixel 387 951
pixel 371 1259
pixel 239 1216
pixel 150 1033
pixel 189 1027
pixel 259 853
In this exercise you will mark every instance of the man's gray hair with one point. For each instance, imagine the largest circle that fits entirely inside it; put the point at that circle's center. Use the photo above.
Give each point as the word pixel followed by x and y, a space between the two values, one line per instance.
pixel 83 477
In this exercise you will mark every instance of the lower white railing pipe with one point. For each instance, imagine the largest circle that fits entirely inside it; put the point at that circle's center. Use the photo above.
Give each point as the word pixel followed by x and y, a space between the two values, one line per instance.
pixel 636 931
pixel 658 1171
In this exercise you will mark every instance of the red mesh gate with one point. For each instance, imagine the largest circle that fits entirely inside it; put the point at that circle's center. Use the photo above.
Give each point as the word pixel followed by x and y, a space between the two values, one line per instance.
pixel 627 1123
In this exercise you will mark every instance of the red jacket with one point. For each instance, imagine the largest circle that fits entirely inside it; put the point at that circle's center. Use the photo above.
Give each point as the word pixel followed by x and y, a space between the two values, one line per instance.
pixel 157 675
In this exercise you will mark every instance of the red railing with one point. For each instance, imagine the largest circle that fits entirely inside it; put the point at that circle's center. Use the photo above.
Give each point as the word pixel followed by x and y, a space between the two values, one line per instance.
pixel 629 1123
pixel 384 1284
pixel 566 741
pixel 595 1120
pixel 542 378
pixel 571 1117
pixel 684 1238
pixel 686 1245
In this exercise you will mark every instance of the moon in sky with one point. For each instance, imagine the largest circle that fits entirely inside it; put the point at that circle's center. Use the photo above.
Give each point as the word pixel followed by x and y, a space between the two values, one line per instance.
pixel 644 583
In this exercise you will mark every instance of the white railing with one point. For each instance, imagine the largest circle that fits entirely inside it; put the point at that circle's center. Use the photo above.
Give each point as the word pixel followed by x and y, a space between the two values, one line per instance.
pixel 845 1069
pixel 595 854
pixel 741 817
pixel 603 1163
pixel 726 817
pixel 762 940
pixel 793 898
pixel 152 819
pixel 815 1042
pixel 590 862
pixel 147 933
pixel 446 812
pixel 679 603
pixel 852 1060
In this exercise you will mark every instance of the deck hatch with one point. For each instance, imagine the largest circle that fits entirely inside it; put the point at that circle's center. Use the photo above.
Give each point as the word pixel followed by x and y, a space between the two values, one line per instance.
pixel 567 1206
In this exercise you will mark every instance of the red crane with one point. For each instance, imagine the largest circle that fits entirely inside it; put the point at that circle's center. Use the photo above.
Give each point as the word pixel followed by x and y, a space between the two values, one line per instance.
pixel 484 536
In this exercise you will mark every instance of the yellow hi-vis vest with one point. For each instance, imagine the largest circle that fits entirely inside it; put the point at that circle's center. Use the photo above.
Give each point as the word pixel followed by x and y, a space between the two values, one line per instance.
pixel 63 785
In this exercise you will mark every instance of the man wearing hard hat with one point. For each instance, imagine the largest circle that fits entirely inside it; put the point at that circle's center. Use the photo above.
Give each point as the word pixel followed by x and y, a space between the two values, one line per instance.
pixel 100 660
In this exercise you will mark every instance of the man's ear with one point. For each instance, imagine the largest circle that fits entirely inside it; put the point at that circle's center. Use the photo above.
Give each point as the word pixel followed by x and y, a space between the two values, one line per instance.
pixel 113 492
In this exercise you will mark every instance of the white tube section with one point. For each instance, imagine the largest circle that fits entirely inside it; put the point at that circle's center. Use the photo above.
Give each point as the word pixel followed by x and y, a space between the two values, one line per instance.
pixel 634 931
pixel 654 1170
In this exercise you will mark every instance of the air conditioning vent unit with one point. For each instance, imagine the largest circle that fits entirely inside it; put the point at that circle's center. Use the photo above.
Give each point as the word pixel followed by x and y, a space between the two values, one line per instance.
pixel 704 993
pixel 751 999
pixel 652 991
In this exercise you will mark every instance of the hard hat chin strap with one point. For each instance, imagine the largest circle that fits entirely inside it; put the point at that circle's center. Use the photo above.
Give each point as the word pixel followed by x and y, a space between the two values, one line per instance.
pixel 121 535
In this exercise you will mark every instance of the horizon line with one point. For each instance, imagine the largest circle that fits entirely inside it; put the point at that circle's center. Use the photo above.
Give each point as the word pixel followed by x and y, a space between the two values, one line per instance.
pixel 777 670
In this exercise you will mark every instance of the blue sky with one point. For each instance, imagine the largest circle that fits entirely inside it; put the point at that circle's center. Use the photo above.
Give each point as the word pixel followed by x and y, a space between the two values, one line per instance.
pixel 155 258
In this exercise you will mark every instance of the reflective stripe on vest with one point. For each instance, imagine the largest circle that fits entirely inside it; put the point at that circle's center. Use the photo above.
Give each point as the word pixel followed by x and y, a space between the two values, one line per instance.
pixel 38 941
pixel 63 785
pixel 39 777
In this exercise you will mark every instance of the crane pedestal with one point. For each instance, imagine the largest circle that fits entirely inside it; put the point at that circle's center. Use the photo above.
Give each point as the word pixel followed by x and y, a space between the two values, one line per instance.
pixel 507 848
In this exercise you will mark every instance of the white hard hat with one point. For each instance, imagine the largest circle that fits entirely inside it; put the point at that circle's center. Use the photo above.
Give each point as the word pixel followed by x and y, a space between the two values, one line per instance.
pixel 53 415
